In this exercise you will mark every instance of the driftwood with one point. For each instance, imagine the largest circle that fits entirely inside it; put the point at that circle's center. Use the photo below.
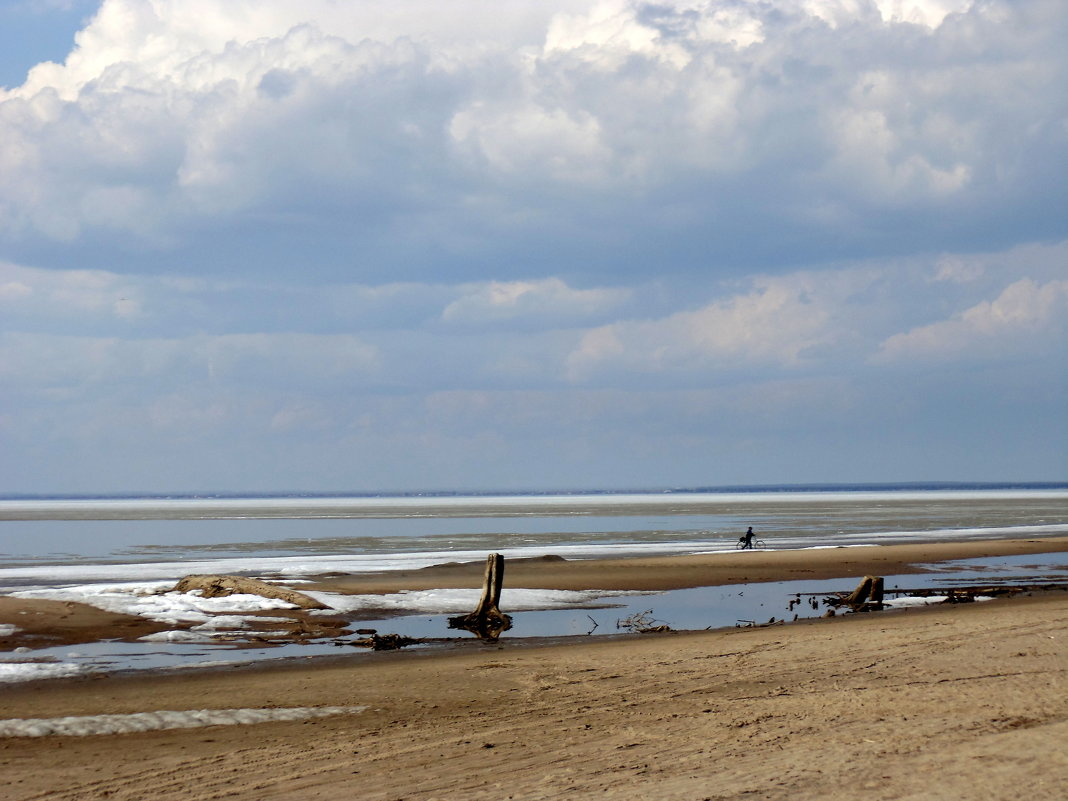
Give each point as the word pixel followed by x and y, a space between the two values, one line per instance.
pixel 867 597
pixel 643 623
pixel 212 586
pixel 385 642
pixel 956 594
pixel 860 594
pixel 487 622
pixel 752 624
pixel 869 594
pixel 971 589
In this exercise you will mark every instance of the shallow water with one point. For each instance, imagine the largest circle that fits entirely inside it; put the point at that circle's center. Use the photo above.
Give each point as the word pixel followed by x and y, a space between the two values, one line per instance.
pixel 687 609
pixel 76 548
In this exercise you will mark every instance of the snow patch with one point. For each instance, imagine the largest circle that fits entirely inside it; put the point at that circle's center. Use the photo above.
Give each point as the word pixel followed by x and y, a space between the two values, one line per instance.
pixel 15 672
pixel 84 726
pixel 447 601
pixel 150 600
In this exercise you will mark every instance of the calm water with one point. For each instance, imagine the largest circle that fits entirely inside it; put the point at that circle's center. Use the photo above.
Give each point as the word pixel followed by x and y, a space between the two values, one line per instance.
pixel 689 609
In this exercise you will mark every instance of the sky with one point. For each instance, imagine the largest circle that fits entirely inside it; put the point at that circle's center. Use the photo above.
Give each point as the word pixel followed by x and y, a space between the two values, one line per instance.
pixel 371 245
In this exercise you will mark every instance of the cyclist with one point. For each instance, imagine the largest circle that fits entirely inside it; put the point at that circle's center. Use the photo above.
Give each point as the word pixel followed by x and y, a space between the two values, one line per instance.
pixel 747 539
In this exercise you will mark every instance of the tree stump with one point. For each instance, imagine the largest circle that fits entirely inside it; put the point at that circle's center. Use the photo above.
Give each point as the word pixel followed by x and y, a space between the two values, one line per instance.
pixel 487 622
pixel 876 598
pixel 860 594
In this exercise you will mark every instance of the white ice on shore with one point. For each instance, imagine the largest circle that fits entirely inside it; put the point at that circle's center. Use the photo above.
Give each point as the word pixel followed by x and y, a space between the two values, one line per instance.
pixel 16 672
pixel 176 635
pixel 222 623
pixel 149 600
pixel 214 614
pixel 445 601
pixel 924 600
pixel 87 725
pixel 7 629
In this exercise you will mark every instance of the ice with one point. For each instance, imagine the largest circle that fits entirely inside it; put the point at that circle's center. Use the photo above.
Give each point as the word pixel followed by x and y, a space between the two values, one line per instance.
pixel 445 601
pixel 924 600
pixel 222 623
pixel 144 600
pixel 88 725
pixel 7 629
pixel 287 568
pixel 14 672
pixel 176 636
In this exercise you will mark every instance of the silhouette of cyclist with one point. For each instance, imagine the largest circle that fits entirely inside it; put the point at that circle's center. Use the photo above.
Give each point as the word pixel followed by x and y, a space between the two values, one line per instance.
pixel 747 539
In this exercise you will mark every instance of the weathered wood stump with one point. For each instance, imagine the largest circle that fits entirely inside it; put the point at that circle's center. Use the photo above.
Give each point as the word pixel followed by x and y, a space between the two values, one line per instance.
pixel 868 596
pixel 860 594
pixel 487 622
pixel 875 600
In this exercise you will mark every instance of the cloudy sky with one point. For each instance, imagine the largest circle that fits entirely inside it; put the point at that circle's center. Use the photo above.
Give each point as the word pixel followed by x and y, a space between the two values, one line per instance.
pixel 502 244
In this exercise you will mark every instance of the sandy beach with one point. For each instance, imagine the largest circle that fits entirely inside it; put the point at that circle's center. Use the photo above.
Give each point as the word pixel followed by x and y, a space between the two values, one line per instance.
pixel 947 702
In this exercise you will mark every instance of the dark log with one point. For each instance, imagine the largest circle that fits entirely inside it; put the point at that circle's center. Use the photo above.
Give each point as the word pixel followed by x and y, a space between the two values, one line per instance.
pixel 487 622
pixel 876 599
pixel 384 642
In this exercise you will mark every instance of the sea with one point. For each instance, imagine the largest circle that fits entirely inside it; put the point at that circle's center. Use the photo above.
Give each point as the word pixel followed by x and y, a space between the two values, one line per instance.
pixel 124 552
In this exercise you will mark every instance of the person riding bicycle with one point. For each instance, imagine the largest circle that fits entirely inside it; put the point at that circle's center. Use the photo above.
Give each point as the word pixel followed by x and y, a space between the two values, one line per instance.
pixel 747 540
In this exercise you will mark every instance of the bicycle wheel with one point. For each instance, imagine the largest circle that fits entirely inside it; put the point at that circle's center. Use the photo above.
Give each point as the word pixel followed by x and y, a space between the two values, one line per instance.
pixel 740 545
pixel 760 544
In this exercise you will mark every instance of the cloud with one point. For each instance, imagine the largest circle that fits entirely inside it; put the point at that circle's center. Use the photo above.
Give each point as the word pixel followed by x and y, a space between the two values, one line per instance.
pixel 547 300
pixel 1026 316
pixel 780 323
pixel 397 141
pixel 152 366
pixel 55 295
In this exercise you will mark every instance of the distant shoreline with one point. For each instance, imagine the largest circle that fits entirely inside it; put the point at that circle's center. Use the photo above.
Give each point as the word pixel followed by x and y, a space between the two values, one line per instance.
pixel 512 505
pixel 815 487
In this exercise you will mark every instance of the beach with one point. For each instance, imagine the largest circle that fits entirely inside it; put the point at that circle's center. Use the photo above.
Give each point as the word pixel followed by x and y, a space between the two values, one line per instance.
pixel 949 701
pixel 41 621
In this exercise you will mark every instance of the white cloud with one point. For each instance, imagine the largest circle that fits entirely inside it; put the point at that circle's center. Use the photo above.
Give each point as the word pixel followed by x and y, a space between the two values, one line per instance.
pixel 958 269
pixel 27 292
pixel 930 13
pixel 1025 316
pixel 549 299
pixel 175 120
pixel 198 43
pixel 526 139
pixel 776 324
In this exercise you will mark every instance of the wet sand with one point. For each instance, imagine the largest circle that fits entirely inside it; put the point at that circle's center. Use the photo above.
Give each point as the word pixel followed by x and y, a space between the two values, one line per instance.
pixel 953 702
pixel 701 570
pixel 948 702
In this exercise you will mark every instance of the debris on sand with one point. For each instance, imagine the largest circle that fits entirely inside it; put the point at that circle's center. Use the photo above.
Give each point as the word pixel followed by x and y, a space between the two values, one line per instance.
pixel 215 586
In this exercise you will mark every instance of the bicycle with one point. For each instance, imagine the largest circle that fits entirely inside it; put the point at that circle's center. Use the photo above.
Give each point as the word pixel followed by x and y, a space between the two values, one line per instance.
pixel 757 545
